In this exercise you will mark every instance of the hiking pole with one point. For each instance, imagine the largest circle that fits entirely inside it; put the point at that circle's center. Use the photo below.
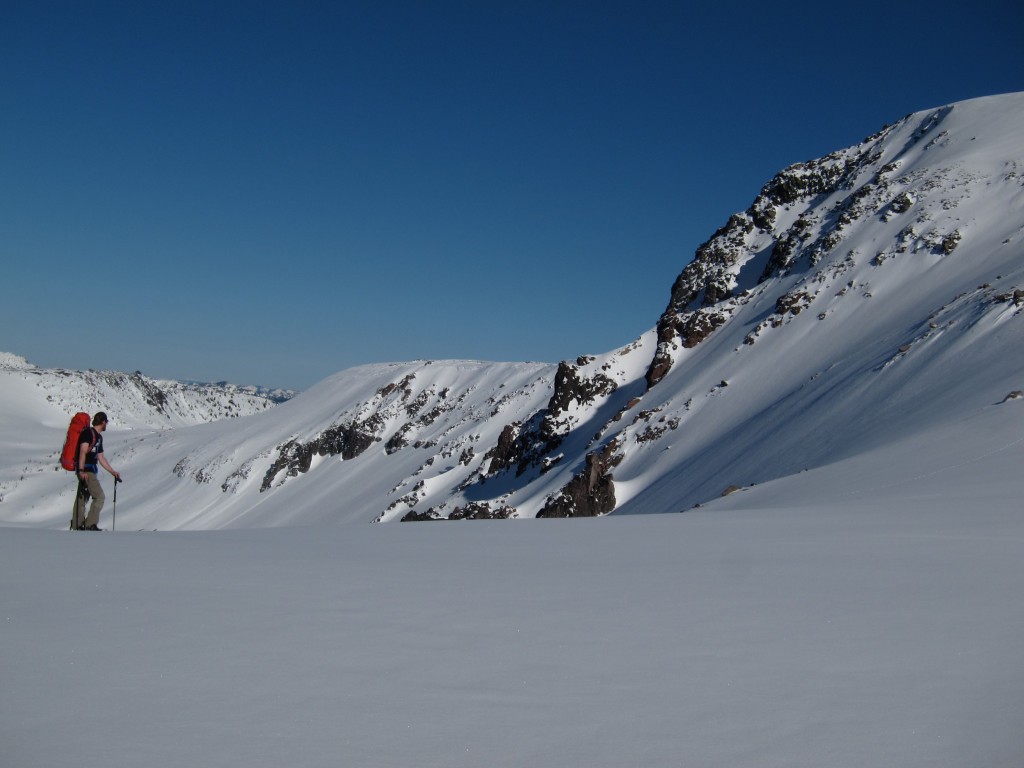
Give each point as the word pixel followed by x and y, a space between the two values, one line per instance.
pixel 113 521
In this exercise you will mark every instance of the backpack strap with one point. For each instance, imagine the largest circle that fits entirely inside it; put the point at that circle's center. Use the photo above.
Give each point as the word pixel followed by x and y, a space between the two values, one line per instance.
pixel 94 438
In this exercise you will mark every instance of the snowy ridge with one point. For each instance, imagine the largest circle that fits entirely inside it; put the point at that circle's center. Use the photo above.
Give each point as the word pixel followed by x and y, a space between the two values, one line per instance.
pixel 866 302
pixel 139 401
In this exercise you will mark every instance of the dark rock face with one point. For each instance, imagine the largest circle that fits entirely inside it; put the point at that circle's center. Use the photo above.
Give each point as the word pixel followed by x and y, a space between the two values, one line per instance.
pixel 793 303
pixel 472 511
pixel 655 428
pixel 346 440
pixel 527 445
pixel 419 517
pixel 686 330
pixel 481 511
pixel 520 446
pixel 804 181
pixel 785 248
pixel 591 493
pixel 569 386
pixel 950 242
pixel 508 451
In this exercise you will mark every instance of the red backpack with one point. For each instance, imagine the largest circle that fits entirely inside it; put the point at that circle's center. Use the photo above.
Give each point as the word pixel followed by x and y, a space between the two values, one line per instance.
pixel 79 422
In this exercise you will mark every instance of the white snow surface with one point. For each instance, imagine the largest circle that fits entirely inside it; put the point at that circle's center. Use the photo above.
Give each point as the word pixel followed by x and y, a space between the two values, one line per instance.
pixel 854 599
pixel 846 635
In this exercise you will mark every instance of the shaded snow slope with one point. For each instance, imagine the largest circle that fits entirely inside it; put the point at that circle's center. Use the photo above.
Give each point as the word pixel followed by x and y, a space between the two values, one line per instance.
pixel 866 301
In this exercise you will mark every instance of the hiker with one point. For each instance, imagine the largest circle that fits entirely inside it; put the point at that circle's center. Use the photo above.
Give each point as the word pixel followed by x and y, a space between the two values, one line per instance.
pixel 88 459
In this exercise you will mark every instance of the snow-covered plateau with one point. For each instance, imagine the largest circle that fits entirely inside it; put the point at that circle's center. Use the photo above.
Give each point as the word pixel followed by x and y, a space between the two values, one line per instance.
pixel 833 397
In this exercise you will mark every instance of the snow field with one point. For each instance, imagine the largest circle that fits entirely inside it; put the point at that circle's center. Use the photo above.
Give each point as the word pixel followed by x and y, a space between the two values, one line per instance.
pixel 796 637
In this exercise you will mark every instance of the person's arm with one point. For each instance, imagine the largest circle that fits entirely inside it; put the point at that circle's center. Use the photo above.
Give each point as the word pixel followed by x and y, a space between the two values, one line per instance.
pixel 83 450
pixel 106 465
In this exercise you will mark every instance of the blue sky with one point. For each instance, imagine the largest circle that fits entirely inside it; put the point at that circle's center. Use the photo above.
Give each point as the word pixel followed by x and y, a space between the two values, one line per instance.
pixel 270 192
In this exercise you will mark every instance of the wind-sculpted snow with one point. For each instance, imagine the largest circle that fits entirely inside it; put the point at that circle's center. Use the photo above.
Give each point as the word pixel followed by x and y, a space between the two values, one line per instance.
pixel 863 299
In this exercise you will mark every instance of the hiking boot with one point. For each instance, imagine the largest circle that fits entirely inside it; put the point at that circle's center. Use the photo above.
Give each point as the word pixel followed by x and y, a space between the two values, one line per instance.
pixel 91 528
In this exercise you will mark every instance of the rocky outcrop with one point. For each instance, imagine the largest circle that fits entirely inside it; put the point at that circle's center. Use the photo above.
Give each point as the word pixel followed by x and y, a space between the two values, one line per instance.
pixel 472 511
pixel 509 451
pixel 793 303
pixel 345 440
pixel 571 387
pixel 1014 296
pixel 481 511
pixel 527 445
pixel 590 493
pixel 419 517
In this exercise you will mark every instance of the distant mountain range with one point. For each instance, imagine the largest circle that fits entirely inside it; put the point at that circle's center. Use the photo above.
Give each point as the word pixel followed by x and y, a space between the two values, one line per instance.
pixel 140 400
pixel 867 307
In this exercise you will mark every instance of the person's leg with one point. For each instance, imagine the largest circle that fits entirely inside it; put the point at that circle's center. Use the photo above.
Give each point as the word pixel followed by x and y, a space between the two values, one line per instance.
pixel 96 491
pixel 78 510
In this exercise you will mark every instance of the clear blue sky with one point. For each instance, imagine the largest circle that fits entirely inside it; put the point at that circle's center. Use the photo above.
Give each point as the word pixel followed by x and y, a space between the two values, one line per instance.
pixel 269 192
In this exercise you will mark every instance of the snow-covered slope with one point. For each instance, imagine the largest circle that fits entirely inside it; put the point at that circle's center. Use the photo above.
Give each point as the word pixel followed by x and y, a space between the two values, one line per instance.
pixel 866 311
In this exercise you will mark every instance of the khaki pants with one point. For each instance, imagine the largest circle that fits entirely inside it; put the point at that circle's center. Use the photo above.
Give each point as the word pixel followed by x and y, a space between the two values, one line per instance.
pixel 86 488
